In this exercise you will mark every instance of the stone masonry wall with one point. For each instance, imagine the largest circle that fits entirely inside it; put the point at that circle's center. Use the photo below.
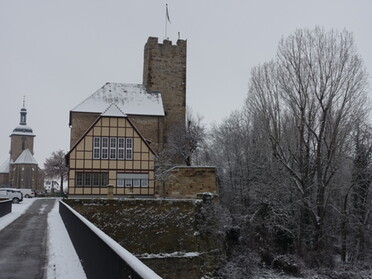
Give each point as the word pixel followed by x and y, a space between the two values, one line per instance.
pixel 170 236
pixel 151 128
pixel 165 71
pixel 25 176
pixel 4 179
pixel 188 182
pixel 16 144
pixel 80 122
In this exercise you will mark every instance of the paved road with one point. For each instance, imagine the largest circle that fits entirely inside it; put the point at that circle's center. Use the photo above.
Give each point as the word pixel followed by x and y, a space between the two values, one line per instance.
pixel 23 243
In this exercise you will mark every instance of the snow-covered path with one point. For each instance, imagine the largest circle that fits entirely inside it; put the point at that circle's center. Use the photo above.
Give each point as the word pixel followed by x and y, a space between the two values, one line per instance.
pixel 17 210
pixel 62 260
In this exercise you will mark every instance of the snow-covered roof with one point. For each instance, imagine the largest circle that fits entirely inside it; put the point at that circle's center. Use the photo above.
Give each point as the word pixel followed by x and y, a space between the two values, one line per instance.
pixel 26 158
pixel 4 167
pixel 23 130
pixel 113 110
pixel 130 99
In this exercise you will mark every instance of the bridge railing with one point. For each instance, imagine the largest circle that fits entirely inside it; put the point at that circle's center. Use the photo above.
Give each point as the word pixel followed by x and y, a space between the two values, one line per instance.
pixel 5 207
pixel 100 255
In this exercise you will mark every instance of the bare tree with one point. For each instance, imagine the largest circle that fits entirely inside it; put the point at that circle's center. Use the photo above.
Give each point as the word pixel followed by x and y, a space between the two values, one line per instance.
pixel 184 141
pixel 307 101
pixel 55 166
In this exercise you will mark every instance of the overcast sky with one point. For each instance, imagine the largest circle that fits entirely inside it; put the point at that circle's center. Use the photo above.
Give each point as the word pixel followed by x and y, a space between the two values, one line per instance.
pixel 57 53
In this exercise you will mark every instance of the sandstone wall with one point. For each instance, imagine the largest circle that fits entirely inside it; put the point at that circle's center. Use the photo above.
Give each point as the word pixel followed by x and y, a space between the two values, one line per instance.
pixel 80 122
pixel 151 128
pixel 176 238
pixel 20 143
pixel 4 179
pixel 164 71
pixel 188 182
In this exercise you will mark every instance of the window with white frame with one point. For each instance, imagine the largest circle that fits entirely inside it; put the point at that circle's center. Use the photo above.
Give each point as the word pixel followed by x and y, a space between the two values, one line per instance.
pixel 129 149
pixel 135 180
pixel 96 147
pixel 121 148
pixel 104 148
pixel 112 148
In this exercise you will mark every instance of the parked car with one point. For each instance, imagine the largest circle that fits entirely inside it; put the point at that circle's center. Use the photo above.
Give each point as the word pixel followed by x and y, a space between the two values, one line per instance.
pixel 39 193
pixel 27 193
pixel 14 194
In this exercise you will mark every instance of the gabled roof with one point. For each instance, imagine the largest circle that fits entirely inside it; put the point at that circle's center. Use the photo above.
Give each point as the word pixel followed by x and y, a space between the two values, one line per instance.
pixel 94 124
pixel 26 158
pixel 4 167
pixel 113 110
pixel 132 99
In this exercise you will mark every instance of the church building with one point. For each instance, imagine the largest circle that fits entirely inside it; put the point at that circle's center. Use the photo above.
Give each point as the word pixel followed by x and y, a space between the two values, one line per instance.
pixel 21 170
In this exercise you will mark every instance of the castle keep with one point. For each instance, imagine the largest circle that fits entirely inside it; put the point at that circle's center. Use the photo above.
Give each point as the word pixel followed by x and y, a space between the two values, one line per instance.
pixel 164 70
pixel 118 130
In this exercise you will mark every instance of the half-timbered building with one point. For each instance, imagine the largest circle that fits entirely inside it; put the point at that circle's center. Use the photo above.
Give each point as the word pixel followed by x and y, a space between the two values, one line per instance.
pixel 111 152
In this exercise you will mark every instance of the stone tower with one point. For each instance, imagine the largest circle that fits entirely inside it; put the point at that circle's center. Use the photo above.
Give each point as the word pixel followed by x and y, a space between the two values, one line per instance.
pixel 22 137
pixel 23 170
pixel 165 72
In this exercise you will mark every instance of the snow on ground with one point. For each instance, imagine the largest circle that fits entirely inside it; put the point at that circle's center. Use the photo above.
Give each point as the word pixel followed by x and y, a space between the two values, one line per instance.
pixel 63 262
pixel 141 269
pixel 168 255
pixel 17 210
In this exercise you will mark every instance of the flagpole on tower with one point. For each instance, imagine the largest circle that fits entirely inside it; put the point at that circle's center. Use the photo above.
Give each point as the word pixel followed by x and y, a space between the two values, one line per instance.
pixel 167 19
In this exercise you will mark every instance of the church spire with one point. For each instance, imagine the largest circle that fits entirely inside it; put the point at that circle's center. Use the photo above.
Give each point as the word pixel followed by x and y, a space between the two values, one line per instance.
pixel 23 113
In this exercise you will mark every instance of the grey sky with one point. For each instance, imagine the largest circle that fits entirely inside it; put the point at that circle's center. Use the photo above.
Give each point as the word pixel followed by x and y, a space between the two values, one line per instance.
pixel 57 53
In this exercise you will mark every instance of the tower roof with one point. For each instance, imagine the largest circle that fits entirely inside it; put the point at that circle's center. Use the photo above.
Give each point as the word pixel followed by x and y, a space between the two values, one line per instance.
pixel 131 99
pixel 26 158
pixel 4 167
pixel 22 129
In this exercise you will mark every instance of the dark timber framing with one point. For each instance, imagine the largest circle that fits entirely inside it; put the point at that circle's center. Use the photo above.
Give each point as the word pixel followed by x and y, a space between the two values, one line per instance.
pixel 81 159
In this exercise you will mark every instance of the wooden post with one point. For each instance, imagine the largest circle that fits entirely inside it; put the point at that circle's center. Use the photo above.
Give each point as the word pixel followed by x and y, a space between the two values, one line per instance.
pixel 110 191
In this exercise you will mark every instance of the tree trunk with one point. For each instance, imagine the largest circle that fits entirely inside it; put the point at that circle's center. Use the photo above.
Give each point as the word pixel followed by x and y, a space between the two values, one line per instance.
pixel 61 186
pixel 344 229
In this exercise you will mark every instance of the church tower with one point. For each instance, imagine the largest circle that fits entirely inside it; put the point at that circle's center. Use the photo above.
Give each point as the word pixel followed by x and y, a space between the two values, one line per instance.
pixel 22 137
pixel 165 72
pixel 23 168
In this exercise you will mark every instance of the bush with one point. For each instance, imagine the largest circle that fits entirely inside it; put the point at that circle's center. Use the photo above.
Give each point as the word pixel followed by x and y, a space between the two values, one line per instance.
pixel 289 264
